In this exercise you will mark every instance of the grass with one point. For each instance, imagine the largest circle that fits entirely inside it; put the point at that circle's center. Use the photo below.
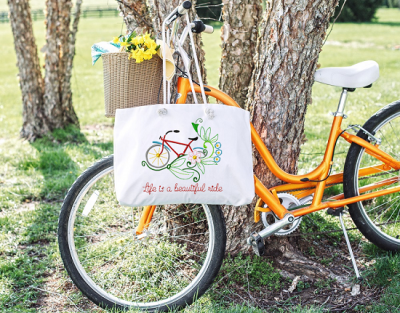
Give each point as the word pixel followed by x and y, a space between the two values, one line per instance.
pixel 35 177
pixel 40 4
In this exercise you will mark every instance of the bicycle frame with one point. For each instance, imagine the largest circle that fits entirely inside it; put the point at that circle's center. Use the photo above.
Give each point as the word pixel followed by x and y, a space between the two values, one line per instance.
pixel 269 195
pixel 294 181
pixel 178 143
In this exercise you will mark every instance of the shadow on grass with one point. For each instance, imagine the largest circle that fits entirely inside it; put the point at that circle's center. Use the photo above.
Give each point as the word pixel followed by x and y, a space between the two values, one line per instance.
pixel 386 23
pixel 28 251
pixel 62 155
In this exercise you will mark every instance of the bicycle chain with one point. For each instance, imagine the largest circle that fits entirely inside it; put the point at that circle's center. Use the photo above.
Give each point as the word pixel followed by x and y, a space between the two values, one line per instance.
pixel 330 185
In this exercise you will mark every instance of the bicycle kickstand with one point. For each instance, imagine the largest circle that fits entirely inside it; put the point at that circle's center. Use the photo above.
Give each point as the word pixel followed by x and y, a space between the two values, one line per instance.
pixel 339 212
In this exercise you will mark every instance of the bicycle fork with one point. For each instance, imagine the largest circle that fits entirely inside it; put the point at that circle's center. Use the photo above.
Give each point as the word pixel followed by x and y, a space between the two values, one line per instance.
pixel 145 219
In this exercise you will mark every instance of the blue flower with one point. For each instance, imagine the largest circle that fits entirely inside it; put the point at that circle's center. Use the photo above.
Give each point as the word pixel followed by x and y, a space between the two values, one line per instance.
pixel 218 145
pixel 218 152
pixel 217 159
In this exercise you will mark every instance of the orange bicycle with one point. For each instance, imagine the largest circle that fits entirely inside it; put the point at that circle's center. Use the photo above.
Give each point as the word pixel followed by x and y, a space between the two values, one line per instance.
pixel 158 258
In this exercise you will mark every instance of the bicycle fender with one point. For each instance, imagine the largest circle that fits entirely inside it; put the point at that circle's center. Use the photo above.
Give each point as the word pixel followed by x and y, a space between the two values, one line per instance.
pixel 161 144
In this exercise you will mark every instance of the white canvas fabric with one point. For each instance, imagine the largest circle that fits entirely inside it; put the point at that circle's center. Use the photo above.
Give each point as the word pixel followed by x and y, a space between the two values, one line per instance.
pixel 218 169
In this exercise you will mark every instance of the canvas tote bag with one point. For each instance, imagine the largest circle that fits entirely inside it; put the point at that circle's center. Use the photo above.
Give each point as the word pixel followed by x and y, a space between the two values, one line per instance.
pixel 183 153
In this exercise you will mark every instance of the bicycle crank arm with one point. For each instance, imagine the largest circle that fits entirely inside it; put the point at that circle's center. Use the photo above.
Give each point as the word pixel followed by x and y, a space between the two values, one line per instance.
pixel 270 230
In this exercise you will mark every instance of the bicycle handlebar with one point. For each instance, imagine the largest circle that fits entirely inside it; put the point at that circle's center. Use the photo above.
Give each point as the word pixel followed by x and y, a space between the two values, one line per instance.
pixel 198 25
pixel 209 29
pixel 184 7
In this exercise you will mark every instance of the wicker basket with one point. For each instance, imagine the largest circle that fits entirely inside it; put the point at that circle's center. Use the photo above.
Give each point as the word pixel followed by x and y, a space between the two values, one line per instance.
pixel 129 84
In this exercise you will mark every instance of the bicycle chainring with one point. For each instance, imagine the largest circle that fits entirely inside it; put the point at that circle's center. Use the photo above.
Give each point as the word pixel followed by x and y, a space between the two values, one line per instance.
pixel 288 201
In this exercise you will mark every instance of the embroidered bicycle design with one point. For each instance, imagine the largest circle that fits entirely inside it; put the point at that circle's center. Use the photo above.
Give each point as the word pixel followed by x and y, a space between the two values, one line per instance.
pixel 191 162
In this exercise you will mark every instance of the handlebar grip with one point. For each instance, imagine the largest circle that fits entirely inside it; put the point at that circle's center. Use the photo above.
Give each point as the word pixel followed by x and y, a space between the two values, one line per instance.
pixel 209 29
pixel 182 9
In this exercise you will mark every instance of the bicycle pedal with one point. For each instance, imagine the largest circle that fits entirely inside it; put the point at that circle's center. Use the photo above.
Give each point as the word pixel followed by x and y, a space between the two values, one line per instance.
pixel 257 244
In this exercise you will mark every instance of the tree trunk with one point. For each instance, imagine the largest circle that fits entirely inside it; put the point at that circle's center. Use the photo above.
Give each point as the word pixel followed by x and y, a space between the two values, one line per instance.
pixel 286 59
pixel 290 40
pixel 239 39
pixel 30 78
pixel 58 95
pixel 66 101
pixel 136 16
pixel 47 103
pixel 156 11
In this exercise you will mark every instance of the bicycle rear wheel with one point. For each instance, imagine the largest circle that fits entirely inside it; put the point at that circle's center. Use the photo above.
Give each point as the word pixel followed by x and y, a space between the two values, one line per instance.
pixel 167 267
pixel 378 219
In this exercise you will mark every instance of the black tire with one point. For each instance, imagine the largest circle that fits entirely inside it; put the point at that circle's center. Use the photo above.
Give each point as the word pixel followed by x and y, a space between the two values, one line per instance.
pixel 378 219
pixel 113 269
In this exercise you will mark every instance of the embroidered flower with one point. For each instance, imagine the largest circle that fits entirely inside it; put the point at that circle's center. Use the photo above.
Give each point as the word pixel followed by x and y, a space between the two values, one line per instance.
pixel 218 145
pixel 217 159
pixel 194 157
pixel 218 152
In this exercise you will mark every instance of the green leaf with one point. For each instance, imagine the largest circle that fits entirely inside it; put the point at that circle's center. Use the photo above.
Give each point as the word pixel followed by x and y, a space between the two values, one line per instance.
pixel 195 126
pixel 178 162
pixel 209 162
pixel 201 167
pixel 208 134
pixel 202 133
pixel 181 174
pixel 214 139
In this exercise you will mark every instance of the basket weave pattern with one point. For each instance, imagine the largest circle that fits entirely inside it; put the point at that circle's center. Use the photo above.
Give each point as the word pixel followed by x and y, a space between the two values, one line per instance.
pixel 129 84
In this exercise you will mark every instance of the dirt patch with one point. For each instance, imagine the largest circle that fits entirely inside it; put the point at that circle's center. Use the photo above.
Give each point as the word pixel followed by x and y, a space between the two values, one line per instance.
pixel 337 293
pixel 24 207
pixel 59 294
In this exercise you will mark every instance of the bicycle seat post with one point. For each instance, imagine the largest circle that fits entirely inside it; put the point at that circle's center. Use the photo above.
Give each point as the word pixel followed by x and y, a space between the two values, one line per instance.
pixel 342 102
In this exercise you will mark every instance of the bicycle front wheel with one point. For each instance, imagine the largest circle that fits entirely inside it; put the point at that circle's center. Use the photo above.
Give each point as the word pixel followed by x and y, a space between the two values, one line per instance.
pixel 166 267
pixel 379 218
pixel 155 157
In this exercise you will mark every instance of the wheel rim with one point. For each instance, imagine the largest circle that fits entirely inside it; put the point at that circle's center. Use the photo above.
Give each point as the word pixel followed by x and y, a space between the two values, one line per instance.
pixel 155 158
pixel 382 213
pixel 147 272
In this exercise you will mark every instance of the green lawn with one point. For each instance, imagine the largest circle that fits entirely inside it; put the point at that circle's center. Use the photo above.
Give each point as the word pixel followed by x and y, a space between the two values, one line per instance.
pixel 40 4
pixel 35 177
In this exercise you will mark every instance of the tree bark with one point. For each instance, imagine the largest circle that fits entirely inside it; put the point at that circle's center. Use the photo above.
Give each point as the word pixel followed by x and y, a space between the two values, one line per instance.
pixel 30 78
pixel 159 10
pixel 287 53
pixel 66 101
pixel 58 95
pixel 238 42
pixel 239 39
pixel 290 40
pixel 47 103
pixel 136 16
pixel 156 11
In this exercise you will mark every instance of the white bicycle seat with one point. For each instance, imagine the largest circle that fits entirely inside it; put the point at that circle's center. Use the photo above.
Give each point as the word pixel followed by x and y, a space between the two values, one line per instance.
pixel 356 76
